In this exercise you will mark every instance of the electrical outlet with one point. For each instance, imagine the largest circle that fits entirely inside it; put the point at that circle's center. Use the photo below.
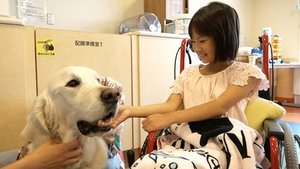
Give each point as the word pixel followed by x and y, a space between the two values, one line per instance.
pixel 50 19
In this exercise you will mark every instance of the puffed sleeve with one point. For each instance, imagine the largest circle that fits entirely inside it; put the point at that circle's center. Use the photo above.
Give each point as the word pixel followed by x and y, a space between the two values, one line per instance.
pixel 178 84
pixel 243 71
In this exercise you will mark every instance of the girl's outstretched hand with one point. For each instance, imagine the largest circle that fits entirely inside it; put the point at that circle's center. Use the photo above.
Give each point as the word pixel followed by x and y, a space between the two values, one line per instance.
pixel 122 115
pixel 156 122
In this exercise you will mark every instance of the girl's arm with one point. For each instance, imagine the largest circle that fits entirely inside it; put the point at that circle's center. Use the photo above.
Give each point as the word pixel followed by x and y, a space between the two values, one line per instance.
pixel 212 109
pixel 173 103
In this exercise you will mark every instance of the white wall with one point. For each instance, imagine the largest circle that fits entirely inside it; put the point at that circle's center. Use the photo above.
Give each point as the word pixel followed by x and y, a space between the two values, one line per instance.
pixel 283 17
pixel 87 15
pixel 105 16
pixel 4 7
pixel 244 9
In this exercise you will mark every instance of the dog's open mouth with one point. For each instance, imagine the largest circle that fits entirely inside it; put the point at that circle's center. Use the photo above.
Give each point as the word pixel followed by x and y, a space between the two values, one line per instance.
pixel 102 125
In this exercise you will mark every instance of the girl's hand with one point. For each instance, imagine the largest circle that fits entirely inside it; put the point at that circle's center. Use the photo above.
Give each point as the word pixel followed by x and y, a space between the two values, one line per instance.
pixel 156 122
pixel 123 114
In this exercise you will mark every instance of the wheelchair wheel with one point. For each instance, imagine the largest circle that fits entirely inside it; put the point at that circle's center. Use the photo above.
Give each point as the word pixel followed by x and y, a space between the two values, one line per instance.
pixel 290 150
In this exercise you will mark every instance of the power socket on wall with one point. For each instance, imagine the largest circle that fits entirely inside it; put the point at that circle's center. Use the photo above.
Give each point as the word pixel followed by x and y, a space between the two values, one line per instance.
pixel 50 19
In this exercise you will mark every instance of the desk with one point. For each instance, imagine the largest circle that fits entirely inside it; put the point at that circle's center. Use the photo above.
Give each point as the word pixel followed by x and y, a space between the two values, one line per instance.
pixel 292 65
pixel 286 65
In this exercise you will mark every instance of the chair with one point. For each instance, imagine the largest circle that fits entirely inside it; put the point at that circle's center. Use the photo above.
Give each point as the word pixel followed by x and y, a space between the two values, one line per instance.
pixel 263 115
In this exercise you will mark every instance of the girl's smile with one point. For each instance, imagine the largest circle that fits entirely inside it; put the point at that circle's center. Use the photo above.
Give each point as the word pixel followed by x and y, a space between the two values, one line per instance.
pixel 204 47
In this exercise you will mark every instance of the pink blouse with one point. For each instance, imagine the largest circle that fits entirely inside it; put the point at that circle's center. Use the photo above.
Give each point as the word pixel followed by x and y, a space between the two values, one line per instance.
pixel 196 88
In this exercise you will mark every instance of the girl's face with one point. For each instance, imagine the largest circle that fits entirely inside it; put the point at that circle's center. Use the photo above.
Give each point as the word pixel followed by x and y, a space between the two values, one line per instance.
pixel 204 46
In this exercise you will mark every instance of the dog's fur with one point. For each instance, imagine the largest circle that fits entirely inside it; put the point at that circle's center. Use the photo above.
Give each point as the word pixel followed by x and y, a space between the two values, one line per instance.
pixel 74 94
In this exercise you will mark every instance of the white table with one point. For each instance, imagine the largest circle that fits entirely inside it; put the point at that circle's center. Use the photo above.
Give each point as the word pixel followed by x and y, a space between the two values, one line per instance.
pixel 286 65
pixel 291 65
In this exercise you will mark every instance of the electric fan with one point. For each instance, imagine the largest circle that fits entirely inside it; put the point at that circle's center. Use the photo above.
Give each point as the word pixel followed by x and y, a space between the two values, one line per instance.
pixel 145 22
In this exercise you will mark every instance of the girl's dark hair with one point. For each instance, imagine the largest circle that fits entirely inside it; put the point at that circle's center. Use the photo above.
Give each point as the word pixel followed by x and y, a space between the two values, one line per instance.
pixel 220 22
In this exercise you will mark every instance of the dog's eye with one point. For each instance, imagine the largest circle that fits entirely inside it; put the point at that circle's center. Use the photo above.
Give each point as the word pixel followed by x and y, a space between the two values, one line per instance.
pixel 73 83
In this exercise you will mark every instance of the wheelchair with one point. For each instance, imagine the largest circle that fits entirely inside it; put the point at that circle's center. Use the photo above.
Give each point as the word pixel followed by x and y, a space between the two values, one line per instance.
pixel 280 143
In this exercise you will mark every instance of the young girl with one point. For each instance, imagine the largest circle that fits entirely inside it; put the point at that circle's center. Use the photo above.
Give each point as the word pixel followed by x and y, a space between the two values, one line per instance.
pixel 209 132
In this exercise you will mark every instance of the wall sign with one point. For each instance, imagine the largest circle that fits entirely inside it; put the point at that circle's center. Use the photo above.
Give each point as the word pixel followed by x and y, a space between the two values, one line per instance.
pixel 32 10
pixel 45 47
pixel 88 43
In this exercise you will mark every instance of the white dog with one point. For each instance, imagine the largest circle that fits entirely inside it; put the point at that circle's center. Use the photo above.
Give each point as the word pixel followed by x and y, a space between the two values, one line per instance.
pixel 74 101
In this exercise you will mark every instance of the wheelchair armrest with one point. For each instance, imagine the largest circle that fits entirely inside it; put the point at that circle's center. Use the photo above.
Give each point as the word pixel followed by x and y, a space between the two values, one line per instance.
pixel 272 128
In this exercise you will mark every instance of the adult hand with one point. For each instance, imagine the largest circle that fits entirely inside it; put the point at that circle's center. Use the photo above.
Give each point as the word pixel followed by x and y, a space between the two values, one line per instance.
pixel 54 155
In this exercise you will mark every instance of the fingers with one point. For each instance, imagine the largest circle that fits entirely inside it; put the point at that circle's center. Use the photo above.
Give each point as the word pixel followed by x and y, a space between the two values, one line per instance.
pixel 72 145
pixel 75 153
pixel 146 121
pixel 118 119
pixel 154 122
pixel 104 124
pixel 72 161
pixel 115 123
pixel 123 114
pixel 145 125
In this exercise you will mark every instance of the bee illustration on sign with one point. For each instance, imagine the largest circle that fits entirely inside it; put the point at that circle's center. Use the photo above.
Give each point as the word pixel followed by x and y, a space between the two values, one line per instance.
pixel 47 45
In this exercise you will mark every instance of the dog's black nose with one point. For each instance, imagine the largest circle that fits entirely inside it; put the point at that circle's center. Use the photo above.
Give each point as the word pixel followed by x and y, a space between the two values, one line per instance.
pixel 110 95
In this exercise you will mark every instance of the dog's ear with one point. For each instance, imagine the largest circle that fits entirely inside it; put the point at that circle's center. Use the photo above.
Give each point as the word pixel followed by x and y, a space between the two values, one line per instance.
pixel 36 126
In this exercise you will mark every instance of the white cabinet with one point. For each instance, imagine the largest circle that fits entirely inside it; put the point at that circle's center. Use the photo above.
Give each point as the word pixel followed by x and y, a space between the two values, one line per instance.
pixel 18 87
pixel 153 57
pixel 108 54
pixel 30 56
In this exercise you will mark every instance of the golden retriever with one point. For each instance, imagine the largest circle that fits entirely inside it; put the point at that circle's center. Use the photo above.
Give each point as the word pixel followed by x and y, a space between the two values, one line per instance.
pixel 69 108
